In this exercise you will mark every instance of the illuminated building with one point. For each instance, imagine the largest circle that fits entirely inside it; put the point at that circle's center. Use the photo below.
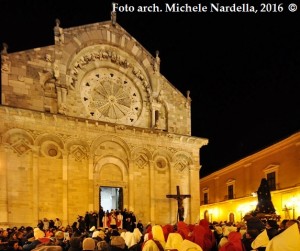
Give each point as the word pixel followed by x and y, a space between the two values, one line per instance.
pixel 228 194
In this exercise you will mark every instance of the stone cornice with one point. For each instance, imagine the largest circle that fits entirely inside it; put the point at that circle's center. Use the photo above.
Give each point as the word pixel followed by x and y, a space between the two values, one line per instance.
pixel 19 117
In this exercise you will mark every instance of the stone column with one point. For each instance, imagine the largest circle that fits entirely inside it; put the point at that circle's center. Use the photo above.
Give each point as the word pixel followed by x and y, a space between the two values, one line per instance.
pixel 64 95
pixel 172 202
pixel 131 187
pixel 195 194
pixel 35 187
pixel 151 192
pixel 91 184
pixel 65 220
pixel 3 187
pixel 59 97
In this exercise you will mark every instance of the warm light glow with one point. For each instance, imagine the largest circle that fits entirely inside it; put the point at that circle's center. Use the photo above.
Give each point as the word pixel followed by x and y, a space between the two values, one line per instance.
pixel 246 207
pixel 292 202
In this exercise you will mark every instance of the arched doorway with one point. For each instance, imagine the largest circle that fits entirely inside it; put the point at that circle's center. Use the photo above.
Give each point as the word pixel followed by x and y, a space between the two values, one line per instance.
pixel 206 215
pixel 110 198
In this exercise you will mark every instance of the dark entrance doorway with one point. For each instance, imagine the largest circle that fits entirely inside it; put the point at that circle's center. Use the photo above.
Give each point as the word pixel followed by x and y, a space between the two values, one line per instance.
pixel 111 198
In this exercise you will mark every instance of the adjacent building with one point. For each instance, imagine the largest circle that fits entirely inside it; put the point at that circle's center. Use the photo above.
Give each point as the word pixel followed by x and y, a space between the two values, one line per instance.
pixel 228 194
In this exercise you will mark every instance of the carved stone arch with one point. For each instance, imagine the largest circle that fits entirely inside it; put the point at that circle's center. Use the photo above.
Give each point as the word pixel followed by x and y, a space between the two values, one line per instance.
pixel 14 135
pixel 102 163
pixel 70 142
pixel 182 160
pixel 111 171
pixel 161 116
pixel 51 145
pixel 141 150
pixel 111 138
pixel 183 154
pixel 162 152
pixel 91 57
pixel 48 82
pixel 18 140
pixel 118 59
pixel 78 149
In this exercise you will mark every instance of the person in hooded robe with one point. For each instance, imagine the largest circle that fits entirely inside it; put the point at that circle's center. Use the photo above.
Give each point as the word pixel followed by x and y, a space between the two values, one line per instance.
pixel 183 229
pixel 137 235
pixel 261 241
pixel 129 238
pixel 157 242
pixel 148 232
pixel 187 245
pixel 198 235
pixel 174 241
pixel 167 229
pixel 209 238
pixel 234 242
pixel 288 240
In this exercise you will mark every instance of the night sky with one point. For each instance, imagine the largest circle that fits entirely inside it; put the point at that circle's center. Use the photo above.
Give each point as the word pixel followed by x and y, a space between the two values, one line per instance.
pixel 242 69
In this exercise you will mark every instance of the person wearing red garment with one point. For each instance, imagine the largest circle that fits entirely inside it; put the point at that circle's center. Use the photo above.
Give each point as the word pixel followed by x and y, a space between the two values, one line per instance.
pixel 167 229
pixel 234 242
pixel 198 235
pixel 209 238
pixel 183 230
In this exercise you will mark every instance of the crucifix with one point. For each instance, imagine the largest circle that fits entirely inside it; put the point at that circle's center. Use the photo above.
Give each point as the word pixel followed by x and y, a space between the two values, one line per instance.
pixel 179 197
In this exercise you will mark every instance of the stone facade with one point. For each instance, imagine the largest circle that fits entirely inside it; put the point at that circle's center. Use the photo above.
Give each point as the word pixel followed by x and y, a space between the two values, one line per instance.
pixel 93 110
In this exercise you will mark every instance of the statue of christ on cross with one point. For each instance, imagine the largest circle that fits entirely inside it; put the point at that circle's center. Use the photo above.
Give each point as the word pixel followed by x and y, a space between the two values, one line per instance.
pixel 179 197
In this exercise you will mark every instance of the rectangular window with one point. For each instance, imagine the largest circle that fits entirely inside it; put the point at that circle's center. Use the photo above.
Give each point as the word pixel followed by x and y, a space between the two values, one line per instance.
pixel 205 201
pixel 230 192
pixel 271 177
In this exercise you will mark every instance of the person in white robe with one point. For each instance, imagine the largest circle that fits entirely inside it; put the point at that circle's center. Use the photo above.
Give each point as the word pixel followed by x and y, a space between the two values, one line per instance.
pixel 174 241
pixel 158 242
pixel 288 240
pixel 187 245
pixel 261 241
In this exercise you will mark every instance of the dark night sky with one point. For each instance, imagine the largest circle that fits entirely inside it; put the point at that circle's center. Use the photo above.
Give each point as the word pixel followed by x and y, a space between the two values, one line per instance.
pixel 243 70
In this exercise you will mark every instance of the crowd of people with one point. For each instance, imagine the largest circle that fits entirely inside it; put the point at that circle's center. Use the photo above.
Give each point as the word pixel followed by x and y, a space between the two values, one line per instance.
pixel 113 233
pixel 121 219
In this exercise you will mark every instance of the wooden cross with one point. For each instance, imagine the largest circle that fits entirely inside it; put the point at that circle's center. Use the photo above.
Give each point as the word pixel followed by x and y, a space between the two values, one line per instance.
pixel 179 197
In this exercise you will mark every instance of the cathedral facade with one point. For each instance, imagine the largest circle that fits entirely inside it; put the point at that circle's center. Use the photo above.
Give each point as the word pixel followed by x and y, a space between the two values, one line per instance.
pixel 92 111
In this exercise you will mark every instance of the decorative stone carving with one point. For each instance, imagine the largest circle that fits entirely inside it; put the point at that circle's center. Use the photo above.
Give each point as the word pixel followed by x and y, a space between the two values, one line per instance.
pixel 161 163
pixel 113 16
pixel 21 147
pixel 142 161
pixel 182 162
pixel 5 63
pixel 90 57
pixel 156 63
pixel 110 96
pixel 51 149
pixel 58 33
pixel 78 152
pixel 188 99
